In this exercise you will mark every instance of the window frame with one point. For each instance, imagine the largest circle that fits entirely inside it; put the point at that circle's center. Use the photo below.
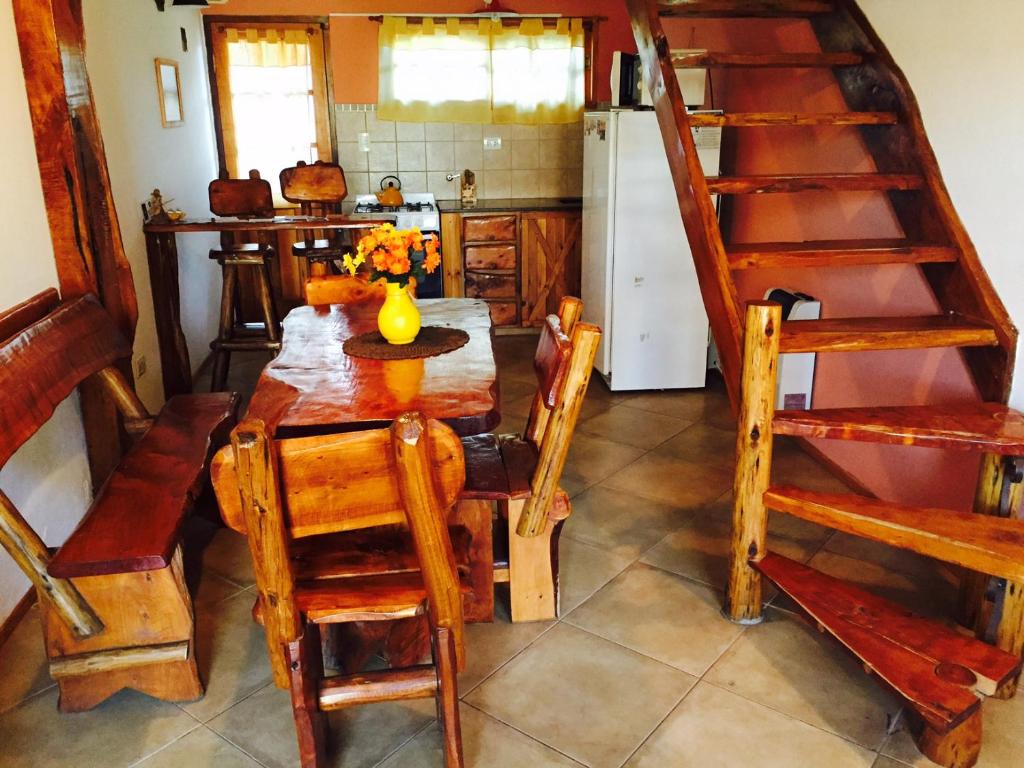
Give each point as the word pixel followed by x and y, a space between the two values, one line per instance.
pixel 323 88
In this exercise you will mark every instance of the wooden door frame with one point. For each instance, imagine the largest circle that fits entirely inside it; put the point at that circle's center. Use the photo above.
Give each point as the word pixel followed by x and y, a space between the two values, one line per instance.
pixel 324 22
pixel 87 246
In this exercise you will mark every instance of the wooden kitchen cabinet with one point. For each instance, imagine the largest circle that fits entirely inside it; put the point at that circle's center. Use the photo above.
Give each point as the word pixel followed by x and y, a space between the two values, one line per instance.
pixel 520 262
pixel 550 253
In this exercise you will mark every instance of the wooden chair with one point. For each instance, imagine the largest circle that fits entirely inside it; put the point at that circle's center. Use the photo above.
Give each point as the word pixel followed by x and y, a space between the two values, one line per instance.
pixel 115 610
pixel 303 500
pixel 244 198
pixel 319 190
pixel 343 289
pixel 521 473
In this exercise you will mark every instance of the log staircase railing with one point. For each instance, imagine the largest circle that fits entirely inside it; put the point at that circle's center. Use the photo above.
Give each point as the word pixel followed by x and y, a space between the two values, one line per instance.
pixel 939 673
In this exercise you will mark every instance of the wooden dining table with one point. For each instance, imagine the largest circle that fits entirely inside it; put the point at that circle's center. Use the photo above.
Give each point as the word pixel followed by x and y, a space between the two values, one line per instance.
pixel 314 387
pixel 162 256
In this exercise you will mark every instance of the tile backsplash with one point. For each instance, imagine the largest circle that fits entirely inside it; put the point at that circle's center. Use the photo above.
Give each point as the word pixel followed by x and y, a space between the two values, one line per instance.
pixel 533 161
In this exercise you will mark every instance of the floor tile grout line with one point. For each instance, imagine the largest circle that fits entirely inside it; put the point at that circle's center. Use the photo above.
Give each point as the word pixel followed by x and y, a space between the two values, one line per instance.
pixel 231 706
pixel 555 622
pixel 422 729
pixel 161 748
pixel 532 738
pixel 660 723
pixel 794 717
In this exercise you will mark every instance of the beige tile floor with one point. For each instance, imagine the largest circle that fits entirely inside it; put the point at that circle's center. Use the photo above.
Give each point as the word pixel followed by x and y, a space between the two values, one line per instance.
pixel 640 670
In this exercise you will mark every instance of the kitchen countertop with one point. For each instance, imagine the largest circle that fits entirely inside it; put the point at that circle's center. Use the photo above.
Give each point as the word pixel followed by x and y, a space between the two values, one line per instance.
pixel 512 204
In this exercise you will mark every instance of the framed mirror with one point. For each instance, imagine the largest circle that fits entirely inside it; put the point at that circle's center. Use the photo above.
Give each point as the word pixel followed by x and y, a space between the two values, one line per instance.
pixel 168 84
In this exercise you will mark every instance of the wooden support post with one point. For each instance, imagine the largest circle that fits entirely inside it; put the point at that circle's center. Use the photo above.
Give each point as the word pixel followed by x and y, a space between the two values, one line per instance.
pixel 532 567
pixel 957 748
pixel 753 460
pixel 998 495
pixel 445 654
pixel 136 417
pixel 32 556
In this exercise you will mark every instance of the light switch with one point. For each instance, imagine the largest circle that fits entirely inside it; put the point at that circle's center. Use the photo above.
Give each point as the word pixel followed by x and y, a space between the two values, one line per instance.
pixel 492 142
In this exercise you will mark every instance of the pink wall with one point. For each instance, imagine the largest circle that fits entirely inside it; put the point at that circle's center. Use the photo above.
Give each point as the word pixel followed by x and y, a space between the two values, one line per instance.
pixel 354 39
pixel 915 475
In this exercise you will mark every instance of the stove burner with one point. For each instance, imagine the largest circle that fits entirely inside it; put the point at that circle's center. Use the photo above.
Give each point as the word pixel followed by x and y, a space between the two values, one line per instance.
pixel 404 208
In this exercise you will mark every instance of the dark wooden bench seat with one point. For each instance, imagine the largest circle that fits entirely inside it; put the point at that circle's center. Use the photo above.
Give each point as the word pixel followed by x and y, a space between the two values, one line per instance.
pixel 115 609
pixel 133 523
pixel 498 467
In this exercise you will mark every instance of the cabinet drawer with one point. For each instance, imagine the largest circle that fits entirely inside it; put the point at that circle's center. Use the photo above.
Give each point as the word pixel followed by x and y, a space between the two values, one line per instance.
pixel 483 286
pixel 491 257
pixel 477 229
pixel 504 312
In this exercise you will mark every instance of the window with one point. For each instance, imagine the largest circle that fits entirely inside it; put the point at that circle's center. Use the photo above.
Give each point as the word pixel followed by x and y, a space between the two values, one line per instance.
pixel 481 71
pixel 272 101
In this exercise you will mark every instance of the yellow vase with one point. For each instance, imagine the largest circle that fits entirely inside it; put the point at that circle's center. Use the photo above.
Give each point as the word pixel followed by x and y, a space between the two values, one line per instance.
pixel 399 320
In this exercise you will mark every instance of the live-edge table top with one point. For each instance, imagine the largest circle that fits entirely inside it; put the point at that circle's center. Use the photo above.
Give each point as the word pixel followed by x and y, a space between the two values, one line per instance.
pixel 312 386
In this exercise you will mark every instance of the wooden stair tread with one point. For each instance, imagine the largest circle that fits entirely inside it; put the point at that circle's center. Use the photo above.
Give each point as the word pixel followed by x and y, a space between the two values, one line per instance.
pixel 992 545
pixel 836 253
pixel 744 8
pixel 132 524
pixel 985 427
pixel 825 182
pixel 760 119
pixel 927 663
pixel 788 60
pixel 875 333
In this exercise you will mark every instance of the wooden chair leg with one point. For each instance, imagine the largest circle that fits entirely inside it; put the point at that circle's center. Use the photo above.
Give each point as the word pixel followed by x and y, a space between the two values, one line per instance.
pixel 267 302
pixel 305 665
pixel 1010 630
pixel 753 461
pixel 475 515
pixel 448 697
pixel 533 570
pixel 221 356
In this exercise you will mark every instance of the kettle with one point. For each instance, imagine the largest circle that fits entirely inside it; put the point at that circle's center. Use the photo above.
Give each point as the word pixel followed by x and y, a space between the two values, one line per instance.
pixel 390 195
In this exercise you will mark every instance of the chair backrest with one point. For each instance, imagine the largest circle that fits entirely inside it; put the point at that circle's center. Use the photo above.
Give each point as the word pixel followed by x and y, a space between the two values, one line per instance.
pixel 49 349
pixel 563 363
pixel 320 183
pixel 411 473
pixel 343 289
pixel 251 197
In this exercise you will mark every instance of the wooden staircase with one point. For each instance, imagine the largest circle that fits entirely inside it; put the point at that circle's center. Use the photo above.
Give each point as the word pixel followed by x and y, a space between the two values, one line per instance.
pixel 939 672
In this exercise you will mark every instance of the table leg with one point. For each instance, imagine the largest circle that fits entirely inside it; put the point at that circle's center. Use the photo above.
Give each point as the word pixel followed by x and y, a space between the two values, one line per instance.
pixel 162 253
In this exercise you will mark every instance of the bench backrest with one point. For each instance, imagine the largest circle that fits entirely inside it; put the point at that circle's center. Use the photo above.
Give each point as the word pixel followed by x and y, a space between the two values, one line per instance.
pixel 48 350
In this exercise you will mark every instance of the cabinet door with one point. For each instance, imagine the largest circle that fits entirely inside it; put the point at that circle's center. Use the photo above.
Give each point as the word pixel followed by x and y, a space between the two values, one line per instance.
pixel 550 261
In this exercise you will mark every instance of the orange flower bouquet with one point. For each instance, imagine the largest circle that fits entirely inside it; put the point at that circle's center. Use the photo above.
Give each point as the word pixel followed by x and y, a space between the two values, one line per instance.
pixel 396 256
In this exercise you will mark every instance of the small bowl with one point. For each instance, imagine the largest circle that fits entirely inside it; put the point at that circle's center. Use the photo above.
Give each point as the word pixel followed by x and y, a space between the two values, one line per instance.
pixel 175 215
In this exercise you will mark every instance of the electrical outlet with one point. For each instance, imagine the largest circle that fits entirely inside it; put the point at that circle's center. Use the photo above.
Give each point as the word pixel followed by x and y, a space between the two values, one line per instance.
pixel 492 142
pixel 140 366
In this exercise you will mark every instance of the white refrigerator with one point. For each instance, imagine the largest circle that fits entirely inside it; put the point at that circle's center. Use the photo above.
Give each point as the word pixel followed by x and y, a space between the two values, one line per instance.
pixel 639 283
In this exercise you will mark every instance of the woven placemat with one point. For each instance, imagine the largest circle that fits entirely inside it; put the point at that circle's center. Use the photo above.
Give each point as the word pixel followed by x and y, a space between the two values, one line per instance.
pixel 431 340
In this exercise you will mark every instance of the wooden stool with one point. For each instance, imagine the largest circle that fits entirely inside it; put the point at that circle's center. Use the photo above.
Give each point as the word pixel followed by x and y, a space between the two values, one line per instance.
pixel 319 190
pixel 244 198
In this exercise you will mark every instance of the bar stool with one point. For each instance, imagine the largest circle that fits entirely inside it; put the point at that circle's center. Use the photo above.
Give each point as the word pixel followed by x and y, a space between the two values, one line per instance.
pixel 318 189
pixel 244 198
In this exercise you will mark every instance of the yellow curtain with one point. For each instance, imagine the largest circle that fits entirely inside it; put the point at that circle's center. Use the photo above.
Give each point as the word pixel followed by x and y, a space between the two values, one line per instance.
pixel 537 72
pixel 267 47
pixel 479 71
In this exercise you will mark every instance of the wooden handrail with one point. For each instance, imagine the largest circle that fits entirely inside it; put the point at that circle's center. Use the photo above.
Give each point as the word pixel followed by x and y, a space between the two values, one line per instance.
pixel 695 205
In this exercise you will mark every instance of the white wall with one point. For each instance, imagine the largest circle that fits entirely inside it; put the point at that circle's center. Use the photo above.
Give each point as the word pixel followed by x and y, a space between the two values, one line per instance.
pixel 964 62
pixel 122 39
pixel 48 479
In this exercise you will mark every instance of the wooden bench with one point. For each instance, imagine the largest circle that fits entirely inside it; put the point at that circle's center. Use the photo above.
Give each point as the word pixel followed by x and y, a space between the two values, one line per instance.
pixel 116 612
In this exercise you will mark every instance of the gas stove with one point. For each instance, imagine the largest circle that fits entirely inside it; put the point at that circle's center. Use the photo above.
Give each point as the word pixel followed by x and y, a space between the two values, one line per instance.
pixel 418 210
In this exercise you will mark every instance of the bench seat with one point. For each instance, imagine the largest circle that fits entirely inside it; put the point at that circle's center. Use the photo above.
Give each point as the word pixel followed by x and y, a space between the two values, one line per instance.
pixel 134 521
